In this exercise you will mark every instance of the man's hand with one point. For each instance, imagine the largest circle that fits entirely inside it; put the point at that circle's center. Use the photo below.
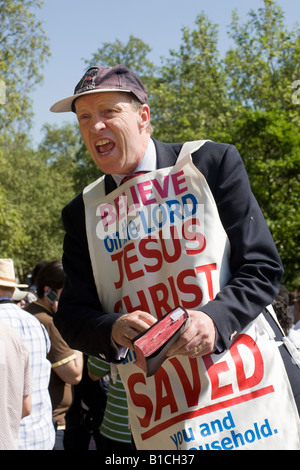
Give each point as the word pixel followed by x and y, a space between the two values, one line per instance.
pixel 130 325
pixel 198 339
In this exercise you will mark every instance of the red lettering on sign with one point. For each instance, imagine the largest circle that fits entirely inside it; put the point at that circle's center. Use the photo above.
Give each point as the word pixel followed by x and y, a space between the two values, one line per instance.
pixel 142 306
pixel 173 290
pixel 191 390
pixel 178 179
pixel 160 302
pixel 165 296
pixel 190 380
pixel 144 192
pixel 189 288
pixel 162 191
pixel 118 257
pixel 171 258
pixel 121 206
pixel 151 253
pixel 162 382
pixel 213 371
pixel 135 198
pixel 207 269
pixel 107 213
pixel 245 383
pixel 193 236
pixel 139 399
pixel 129 260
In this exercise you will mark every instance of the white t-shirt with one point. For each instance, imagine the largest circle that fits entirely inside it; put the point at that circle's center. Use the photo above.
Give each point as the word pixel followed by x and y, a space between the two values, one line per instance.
pixel 15 383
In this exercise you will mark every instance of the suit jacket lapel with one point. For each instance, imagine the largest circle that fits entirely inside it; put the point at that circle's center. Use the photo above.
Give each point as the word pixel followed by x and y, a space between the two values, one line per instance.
pixel 166 153
pixel 110 184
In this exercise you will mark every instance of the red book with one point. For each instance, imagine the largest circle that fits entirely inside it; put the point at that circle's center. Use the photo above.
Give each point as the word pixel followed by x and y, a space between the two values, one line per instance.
pixel 151 345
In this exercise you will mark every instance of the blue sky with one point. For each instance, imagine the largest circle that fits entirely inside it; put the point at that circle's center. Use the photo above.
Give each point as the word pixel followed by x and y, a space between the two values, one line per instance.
pixel 77 28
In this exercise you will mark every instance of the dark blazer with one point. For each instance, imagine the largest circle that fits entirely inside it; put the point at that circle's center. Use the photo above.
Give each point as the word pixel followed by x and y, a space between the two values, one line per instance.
pixel 255 264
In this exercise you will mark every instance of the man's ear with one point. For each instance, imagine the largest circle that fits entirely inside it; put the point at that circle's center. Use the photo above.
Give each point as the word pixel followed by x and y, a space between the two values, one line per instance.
pixel 46 289
pixel 144 113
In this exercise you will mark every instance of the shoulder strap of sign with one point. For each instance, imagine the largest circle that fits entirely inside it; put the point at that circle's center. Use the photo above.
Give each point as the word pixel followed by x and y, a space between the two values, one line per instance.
pixel 190 147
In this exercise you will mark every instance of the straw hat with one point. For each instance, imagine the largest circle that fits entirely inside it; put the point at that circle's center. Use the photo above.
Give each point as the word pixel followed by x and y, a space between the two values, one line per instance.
pixel 7 274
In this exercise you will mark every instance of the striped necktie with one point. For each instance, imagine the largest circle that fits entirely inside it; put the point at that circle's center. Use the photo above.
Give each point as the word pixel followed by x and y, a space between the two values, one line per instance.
pixel 134 175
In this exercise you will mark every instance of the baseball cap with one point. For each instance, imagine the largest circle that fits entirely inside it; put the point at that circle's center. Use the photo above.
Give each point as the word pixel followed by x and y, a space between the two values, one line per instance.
pixel 100 79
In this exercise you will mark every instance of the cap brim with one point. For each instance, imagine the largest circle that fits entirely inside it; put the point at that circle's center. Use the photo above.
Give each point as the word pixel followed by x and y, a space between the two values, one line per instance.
pixel 12 284
pixel 19 295
pixel 65 105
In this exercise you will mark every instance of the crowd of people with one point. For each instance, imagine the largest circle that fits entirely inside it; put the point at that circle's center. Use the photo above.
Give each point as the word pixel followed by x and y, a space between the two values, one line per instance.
pixel 51 400
pixel 63 399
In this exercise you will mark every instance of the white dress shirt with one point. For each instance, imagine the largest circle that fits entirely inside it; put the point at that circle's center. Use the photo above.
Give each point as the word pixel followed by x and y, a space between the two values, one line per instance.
pixel 148 163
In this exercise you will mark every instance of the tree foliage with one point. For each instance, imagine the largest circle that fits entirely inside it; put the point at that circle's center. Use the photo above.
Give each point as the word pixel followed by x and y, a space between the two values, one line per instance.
pixel 189 97
pixel 133 55
pixel 37 184
pixel 261 68
pixel 244 98
pixel 23 50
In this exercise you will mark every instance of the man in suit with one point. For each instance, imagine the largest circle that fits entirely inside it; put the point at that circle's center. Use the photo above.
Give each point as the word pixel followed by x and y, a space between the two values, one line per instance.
pixel 114 119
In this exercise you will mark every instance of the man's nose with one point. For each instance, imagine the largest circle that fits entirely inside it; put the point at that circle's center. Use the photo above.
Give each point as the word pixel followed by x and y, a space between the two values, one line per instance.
pixel 97 123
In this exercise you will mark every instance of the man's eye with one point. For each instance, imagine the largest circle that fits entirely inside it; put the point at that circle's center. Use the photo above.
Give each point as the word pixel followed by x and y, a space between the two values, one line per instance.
pixel 82 116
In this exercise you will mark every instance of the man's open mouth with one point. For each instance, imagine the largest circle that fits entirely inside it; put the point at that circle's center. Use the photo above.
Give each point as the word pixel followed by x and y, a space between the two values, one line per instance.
pixel 104 146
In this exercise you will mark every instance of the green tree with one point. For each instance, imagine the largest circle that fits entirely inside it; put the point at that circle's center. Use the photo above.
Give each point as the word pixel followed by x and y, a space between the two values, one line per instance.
pixel 270 147
pixel 261 67
pixel 15 191
pixel 133 55
pixel 23 50
pixel 264 59
pixel 38 184
pixel 189 99
pixel 12 234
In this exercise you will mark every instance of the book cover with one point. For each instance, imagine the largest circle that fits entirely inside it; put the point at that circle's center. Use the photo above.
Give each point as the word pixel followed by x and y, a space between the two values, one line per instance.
pixel 152 345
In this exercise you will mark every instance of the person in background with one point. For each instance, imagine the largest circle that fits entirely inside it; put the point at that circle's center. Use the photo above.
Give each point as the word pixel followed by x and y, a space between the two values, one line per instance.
pixel 114 429
pixel 85 415
pixel 296 309
pixel 66 363
pixel 19 297
pixel 32 294
pixel 36 430
pixel 15 386
pixel 281 308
